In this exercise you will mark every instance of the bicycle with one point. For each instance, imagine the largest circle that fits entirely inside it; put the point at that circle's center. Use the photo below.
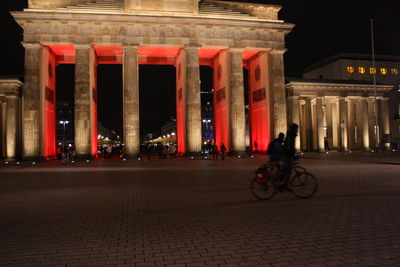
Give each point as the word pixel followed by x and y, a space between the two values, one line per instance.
pixel 268 179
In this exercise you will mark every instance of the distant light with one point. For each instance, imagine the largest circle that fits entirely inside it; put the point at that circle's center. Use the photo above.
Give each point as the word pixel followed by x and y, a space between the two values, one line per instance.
pixel 393 150
pixel 6 162
pixel 18 163
pixel 139 158
pixel 87 160
pixel 72 161
pixel 209 120
pixel 252 156
pixel 33 163
pixel 204 121
pixel 173 134
pixel 191 157
pixel 205 157
pixel 70 145
pixel 124 159
pixel 372 151
pixel 350 151
pixel 327 152
pixel 239 157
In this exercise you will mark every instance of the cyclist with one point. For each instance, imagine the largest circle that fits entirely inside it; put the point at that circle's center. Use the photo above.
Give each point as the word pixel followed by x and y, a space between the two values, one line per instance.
pixel 288 155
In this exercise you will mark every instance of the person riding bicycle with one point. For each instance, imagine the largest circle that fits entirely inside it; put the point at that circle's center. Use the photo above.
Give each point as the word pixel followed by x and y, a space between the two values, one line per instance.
pixel 275 148
pixel 288 155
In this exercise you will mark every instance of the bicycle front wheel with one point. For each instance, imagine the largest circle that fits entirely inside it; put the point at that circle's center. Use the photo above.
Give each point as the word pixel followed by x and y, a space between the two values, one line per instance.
pixel 264 190
pixel 303 185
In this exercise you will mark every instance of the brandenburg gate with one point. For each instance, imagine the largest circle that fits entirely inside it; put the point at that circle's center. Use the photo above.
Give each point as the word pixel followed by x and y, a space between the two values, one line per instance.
pixel 184 33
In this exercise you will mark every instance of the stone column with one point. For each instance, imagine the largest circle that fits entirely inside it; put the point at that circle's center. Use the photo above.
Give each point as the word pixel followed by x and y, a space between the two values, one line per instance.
pixel 12 127
pixel 371 122
pixel 351 123
pixel 343 123
pixel 309 124
pixel 278 92
pixel 385 120
pixel 320 125
pixel 31 102
pixel 237 116
pixel 365 125
pixel 295 108
pixel 193 100
pixel 131 101
pixel 3 133
pixel 83 98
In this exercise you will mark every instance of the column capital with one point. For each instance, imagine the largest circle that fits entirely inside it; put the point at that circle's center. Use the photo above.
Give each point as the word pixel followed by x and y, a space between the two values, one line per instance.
pixel 278 51
pixel 31 45
pixel 235 49
pixel 127 46
pixel 82 46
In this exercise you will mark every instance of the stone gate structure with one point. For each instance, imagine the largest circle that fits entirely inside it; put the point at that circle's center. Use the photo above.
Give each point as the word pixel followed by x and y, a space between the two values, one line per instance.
pixel 184 33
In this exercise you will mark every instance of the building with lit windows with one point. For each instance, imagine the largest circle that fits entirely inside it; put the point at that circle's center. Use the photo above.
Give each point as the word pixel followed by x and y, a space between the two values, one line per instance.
pixel 335 103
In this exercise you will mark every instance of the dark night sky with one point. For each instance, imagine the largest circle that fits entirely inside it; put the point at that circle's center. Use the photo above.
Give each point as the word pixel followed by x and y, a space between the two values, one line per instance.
pixel 323 28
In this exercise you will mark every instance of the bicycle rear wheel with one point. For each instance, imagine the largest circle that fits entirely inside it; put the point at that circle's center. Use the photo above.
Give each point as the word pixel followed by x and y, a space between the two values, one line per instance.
pixel 303 185
pixel 262 190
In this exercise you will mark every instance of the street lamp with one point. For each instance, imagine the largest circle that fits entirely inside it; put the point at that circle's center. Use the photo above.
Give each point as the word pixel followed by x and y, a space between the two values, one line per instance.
pixel 64 123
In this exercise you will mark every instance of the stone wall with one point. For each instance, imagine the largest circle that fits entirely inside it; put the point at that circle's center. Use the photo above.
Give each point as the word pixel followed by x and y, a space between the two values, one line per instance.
pixel 171 6
pixel 50 4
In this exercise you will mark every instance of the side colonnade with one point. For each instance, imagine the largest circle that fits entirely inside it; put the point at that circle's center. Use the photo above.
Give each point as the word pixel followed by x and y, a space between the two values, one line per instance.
pixel 267 100
pixel 339 116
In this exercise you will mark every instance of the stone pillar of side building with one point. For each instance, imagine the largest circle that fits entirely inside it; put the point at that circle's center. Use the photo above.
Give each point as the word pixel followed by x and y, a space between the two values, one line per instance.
pixel 3 128
pixel 237 116
pixel 84 119
pixel 320 125
pixel 372 107
pixel 295 118
pixel 365 125
pixel 342 104
pixel 385 121
pixel 31 102
pixel 351 123
pixel 309 128
pixel 278 92
pixel 193 100
pixel 131 101
pixel 12 126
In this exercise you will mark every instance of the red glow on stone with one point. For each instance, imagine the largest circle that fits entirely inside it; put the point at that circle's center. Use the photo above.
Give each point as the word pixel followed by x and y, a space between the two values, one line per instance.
pixel 65 54
pixel 109 54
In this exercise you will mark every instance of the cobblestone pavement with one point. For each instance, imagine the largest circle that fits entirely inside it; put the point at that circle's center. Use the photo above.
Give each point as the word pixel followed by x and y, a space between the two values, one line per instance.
pixel 198 213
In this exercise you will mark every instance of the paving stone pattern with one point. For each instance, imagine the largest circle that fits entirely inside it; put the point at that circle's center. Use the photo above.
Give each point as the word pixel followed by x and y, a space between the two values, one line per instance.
pixel 198 213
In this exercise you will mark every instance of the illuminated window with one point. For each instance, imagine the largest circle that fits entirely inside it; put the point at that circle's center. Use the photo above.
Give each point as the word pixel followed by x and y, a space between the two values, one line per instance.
pixel 350 69
pixel 384 71
pixel 395 71
pixel 372 70
pixel 361 70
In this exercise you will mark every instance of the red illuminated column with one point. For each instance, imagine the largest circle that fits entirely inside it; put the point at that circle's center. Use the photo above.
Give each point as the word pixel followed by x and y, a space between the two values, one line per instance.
pixel 31 102
pixel 193 102
pixel 260 101
pixel 85 109
pixel 221 99
pixel 237 115
pixel 48 104
pixel 181 102
pixel 131 101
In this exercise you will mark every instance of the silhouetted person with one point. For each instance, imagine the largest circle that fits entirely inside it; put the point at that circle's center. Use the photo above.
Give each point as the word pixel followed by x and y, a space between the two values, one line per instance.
pixel 275 148
pixel 214 149
pixel 223 150
pixel 288 155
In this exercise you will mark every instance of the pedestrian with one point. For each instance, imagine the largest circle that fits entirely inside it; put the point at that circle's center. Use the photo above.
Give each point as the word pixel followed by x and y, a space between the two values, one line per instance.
pixel 109 151
pixel 172 150
pixel 214 150
pixel 223 150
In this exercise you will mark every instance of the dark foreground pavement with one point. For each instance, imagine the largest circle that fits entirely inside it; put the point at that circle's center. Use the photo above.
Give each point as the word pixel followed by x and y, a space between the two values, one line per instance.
pixel 198 213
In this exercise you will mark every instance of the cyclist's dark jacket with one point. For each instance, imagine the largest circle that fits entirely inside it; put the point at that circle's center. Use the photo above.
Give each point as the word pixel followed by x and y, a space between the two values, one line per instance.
pixel 274 150
pixel 289 149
